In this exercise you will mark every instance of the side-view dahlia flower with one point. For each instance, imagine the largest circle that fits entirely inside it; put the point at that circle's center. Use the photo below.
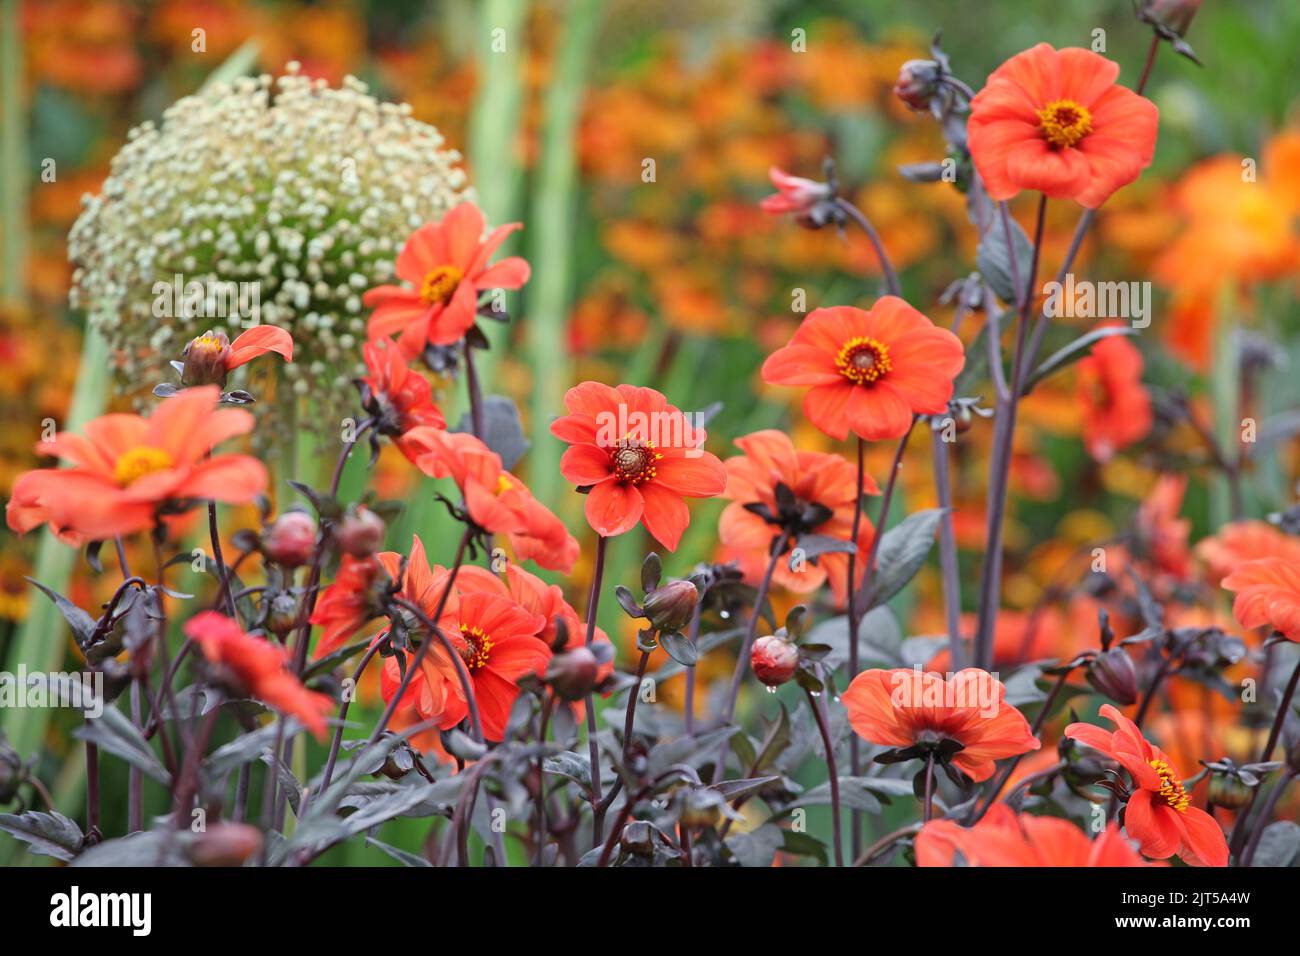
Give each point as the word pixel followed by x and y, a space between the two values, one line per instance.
pixel 397 396
pixel 870 370
pixel 1116 406
pixel 1055 121
pixel 1268 595
pixel 637 457
pixel 127 471
pixel 1158 814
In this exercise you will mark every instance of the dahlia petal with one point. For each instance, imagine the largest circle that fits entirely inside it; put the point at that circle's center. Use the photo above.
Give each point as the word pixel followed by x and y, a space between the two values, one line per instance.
pixel 1149 824
pixel 259 340
pixel 613 508
pixel 701 476
pixel 507 274
pixel 585 464
pixel 665 514
pixel 1203 840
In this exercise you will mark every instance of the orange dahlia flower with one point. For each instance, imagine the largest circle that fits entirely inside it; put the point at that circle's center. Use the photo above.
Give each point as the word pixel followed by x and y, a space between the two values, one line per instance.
pixel 495 637
pixel 1268 595
pixel 964 721
pixel 350 602
pixel 1003 838
pixel 870 371
pixel 638 457
pixel 497 501
pixel 126 470
pixel 1056 122
pixel 822 489
pixel 399 397
pixel 1242 541
pixel 1116 406
pixel 258 667
pixel 211 357
pixel 446 265
pixel 1158 814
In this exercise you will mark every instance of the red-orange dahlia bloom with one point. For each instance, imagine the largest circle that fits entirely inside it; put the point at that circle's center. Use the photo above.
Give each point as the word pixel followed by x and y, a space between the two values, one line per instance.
pixel 497 501
pixel 1004 838
pixel 1268 595
pixel 1158 814
pixel 1242 541
pixel 966 716
pixel 870 371
pixel 127 469
pixel 350 602
pixel 446 265
pixel 260 667
pixel 1116 406
pixel 638 457
pixel 210 357
pixel 823 487
pixel 399 397
pixel 495 637
pixel 1056 122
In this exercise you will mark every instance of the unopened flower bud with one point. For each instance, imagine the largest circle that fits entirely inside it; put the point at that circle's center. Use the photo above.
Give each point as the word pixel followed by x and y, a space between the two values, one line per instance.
pixel 1112 673
pixel 702 808
pixel 774 660
pixel 670 607
pixel 205 360
pixel 918 81
pixel 291 540
pixel 282 613
pixel 1175 15
pixel 1229 791
pixel 572 674
pixel 226 844
pixel 637 838
pixel 361 533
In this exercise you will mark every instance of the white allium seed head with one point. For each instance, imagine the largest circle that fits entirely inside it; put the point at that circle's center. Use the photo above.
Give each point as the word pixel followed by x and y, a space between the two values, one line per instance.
pixel 260 180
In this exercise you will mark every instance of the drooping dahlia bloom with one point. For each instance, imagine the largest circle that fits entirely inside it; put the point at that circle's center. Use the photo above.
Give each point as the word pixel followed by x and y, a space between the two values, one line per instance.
pixel 869 371
pixel 497 501
pixel 1005 838
pixel 495 637
pixel 809 201
pixel 127 470
pixel 1158 814
pixel 1116 406
pixel 446 266
pixel 345 178
pixel 259 668
pixel 638 457
pixel 350 602
pixel 210 358
pixel 1268 595
pixel 964 722
pixel 397 396
pixel 821 502
pixel 1056 122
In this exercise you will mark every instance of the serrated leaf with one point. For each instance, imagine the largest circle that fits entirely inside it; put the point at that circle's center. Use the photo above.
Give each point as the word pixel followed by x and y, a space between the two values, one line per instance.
pixel 46 834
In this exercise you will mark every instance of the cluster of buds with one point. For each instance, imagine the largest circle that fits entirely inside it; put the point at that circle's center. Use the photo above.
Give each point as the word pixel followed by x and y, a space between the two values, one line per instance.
pixel 1233 785
pixel 666 609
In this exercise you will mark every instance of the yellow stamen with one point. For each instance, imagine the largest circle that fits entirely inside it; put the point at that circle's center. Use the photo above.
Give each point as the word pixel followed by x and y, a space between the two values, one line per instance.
pixel 478 647
pixel 137 462
pixel 440 284
pixel 503 484
pixel 1064 123
pixel 1171 788
pixel 863 360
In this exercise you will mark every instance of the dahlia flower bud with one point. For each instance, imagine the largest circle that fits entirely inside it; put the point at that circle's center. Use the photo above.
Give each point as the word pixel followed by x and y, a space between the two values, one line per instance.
pixel 774 660
pixel 282 613
pixel 291 540
pixel 572 674
pixel 1112 673
pixel 670 607
pixel 1174 15
pixel 226 844
pixel 1229 790
pixel 205 360
pixel 361 533
pixel 918 82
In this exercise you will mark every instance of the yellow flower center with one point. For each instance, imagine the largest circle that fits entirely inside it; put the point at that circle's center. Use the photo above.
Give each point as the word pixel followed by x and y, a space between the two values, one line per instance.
pixel 503 484
pixel 863 360
pixel 1064 123
pixel 440 285
pixel 135 463
pixel 1171 788
pixel 634 461
pixel 478 647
